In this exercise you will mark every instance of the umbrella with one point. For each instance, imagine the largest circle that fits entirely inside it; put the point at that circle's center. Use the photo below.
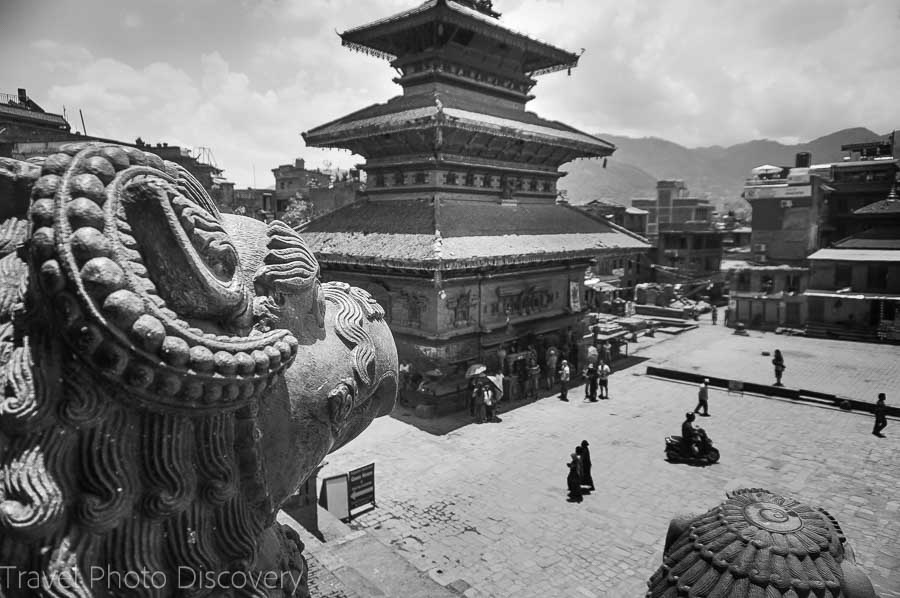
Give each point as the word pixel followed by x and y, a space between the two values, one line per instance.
pixel 766 169
pixel 475 370
pixel 497 381
pixel 435 373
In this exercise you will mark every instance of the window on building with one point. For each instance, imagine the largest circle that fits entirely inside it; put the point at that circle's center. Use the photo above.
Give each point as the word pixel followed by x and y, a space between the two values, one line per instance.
pixel 451 178
pixel 420 178
pixel 533 185
pixel 486 180
pixel 398 178
pixel 379 179
pixel 792 283
pixel 743 281
pixel 876 279
pixel 843 276
pixel 470 179
pixel 548 186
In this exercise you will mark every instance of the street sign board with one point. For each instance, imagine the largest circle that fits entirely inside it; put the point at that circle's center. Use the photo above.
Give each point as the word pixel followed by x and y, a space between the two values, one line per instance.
pixel 361 487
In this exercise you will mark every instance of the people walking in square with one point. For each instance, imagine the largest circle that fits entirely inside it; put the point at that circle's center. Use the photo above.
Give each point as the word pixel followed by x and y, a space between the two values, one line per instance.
pixel 703 399
pixel 715 315
pixel 573 480
pixel 590 387
pixel 727 317
pixel 880 416
pixel 778 362
pixel 587 479
pixel 603 373
pixel 564 375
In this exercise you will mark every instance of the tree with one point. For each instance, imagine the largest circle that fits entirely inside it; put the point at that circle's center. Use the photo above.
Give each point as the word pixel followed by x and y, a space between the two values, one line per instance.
pixel 297 213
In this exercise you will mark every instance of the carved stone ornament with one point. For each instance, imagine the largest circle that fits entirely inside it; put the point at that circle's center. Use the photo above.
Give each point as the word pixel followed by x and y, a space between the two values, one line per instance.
pixel 172 375
pixel 758 543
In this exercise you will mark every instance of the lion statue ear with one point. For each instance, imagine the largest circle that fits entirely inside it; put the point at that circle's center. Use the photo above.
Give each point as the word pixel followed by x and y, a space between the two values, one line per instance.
pixel 144 281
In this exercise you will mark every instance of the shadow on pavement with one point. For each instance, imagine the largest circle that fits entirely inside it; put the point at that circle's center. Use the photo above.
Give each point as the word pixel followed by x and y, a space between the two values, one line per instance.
pixel 451 422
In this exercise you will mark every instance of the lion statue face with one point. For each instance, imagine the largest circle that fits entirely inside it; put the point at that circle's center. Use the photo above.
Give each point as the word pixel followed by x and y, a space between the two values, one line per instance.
pixel 172 375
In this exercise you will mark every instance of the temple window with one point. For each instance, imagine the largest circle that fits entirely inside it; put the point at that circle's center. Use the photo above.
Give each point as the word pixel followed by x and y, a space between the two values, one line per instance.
pixel 470 179
pixel 420 178
pixel 486 180
pixel 451 178
pixel 548 186
pixel 398 178
pixel 533 185
pixel 379 179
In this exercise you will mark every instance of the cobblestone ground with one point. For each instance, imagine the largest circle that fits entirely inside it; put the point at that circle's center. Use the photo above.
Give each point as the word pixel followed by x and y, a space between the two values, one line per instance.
pixel 854 370
pixel 485 504
pixel 322 583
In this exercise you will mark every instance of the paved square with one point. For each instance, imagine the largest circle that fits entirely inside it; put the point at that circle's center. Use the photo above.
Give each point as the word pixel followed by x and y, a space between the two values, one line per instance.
pixel 486 503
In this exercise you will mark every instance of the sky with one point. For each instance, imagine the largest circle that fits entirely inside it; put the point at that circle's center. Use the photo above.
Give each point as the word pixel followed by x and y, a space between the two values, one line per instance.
pixel 244 78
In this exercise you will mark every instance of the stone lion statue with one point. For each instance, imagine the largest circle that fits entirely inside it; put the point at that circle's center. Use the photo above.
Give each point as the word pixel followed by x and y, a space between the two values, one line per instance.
pixel 758 543
pixel 171 376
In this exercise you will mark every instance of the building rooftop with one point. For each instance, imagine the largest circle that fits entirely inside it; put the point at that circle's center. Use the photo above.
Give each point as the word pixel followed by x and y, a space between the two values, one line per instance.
pixel 456 234
pixel 879 237
pixel 377 37
pixel 859 255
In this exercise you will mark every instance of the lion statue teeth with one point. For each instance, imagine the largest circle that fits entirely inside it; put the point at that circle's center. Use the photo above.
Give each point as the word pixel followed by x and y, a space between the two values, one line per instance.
pixel 172 376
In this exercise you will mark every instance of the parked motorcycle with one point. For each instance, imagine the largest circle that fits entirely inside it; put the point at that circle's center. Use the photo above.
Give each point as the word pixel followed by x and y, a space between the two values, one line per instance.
pixel 678 451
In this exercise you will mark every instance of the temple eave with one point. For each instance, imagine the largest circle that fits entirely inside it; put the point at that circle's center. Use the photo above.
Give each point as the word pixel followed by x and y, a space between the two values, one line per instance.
pixel 376 38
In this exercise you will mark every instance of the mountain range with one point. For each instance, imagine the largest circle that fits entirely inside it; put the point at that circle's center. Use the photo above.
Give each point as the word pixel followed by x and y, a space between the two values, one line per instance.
pixel 715 172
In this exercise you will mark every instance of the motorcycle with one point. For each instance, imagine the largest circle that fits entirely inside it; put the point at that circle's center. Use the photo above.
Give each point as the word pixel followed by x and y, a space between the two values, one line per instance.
pixel 677 450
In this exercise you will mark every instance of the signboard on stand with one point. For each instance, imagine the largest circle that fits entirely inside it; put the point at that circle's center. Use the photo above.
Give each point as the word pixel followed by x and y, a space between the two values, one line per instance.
pixel 362 489
pixel 343 495
pixel 334 496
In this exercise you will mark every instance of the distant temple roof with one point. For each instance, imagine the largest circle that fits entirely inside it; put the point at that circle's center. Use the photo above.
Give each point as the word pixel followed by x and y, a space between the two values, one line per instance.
pixel 889 205
pixel 408 111
pixel 376 37
pixel 457 234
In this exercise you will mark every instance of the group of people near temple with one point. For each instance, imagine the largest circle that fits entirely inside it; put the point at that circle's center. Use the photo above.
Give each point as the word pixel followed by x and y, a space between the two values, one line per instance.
pixel 579 480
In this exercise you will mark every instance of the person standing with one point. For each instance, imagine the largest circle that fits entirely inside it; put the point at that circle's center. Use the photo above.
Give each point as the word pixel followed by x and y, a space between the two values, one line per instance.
pixel 590 388
pixel 880 416
pixel 587 480
pixel 727 316
pixel 501 357
pixel 534 376
pixel 489 402
pixel 606 351
pixel 573 480
pixel 603 379
pixel 778 362
pixel 564 376
pixel 715 315
pixel 551 362
pixel 480 408
pixel 703 399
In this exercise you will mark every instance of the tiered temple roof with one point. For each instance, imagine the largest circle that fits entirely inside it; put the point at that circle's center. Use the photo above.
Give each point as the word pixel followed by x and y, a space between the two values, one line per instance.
pixel 460 175
pixel 460 235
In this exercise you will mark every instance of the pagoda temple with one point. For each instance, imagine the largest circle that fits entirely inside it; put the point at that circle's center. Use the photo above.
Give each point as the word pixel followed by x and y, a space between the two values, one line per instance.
pixel 459 233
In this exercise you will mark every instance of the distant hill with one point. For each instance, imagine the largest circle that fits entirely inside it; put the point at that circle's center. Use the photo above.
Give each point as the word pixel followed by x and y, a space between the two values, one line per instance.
pixel 717 172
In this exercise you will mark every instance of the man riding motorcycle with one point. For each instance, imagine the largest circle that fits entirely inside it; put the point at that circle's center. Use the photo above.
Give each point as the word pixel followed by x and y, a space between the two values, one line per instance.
pixel 690 436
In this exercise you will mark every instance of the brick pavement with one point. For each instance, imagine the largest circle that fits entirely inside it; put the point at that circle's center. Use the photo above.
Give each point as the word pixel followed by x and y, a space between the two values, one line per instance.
pixel 848 369
pixel 483 507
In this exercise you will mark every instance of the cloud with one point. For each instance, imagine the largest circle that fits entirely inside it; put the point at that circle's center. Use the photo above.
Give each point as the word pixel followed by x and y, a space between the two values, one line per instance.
pixel 245 79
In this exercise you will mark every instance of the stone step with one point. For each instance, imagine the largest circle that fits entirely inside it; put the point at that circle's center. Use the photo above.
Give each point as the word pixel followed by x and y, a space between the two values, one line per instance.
pixel 363 565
